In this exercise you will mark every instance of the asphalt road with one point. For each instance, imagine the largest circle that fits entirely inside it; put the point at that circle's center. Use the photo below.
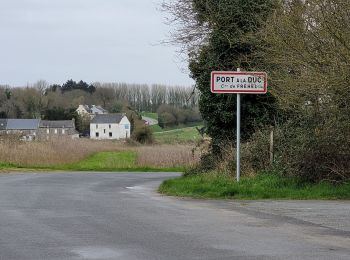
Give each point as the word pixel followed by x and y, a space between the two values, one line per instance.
pixel 119 216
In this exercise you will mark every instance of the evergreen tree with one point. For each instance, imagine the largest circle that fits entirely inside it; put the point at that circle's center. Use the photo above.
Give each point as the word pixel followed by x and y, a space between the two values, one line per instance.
pixel 72 85
pixel 232 40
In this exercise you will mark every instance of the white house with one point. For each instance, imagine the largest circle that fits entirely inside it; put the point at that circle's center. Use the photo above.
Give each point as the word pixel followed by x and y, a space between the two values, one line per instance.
pixel 91 110
pixel 110 126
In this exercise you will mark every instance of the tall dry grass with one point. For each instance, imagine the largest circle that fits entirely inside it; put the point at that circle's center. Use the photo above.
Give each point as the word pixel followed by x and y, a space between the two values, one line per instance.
pixel 63 151
pixel 166 155
pixel 43 154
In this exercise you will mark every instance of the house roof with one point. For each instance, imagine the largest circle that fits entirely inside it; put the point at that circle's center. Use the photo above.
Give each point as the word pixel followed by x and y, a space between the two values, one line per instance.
pixel 107 119
pixel 57 124
pixel 3 124
pixel 92 109
pixel 22 124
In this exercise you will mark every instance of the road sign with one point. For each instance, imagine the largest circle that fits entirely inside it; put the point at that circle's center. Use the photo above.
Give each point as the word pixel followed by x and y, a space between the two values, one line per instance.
pixel 238 82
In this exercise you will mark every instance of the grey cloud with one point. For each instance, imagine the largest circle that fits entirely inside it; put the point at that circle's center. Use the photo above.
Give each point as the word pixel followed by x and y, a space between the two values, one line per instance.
pixel 94 40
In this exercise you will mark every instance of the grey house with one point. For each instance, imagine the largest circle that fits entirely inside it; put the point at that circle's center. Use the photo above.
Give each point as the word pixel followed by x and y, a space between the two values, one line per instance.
pixel 26 129
pixel 57 129
pixel 36 129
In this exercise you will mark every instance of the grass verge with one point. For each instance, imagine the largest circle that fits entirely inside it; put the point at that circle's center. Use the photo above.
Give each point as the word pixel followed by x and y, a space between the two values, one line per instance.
pixel 263 186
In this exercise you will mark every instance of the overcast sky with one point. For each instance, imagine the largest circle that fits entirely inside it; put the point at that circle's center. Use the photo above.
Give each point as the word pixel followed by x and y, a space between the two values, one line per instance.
pixel 92 40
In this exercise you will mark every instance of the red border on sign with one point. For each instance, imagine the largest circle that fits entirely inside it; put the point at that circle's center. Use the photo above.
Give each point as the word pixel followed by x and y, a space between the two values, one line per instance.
pixel 263 74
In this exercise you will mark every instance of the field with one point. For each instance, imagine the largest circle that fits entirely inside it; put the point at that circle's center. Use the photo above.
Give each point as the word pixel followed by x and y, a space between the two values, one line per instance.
pixel 182 135
pixel 179 134
pixel 95 155
pixel 150 115
pixel 172 152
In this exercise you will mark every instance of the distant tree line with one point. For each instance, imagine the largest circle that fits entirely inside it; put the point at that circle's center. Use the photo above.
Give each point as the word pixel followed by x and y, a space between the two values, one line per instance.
pixel 147 98
pixel 171 116
pixel 58 102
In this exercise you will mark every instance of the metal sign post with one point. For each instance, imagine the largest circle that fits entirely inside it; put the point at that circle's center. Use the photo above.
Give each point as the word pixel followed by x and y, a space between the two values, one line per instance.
pixel 238 148
pixel 238 83
pixel 238 138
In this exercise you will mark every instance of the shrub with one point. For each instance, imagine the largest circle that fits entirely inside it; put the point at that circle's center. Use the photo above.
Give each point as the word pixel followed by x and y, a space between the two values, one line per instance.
pixel 314 149
pixel 166 119
pixel 311 148
pixel 143 135
pixel 192 115
pixel 223 160
pixel 170 116
pixel 117 107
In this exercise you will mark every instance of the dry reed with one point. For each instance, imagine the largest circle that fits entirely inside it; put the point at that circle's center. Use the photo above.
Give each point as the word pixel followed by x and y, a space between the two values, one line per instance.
pixel 166 155
pixel 42 154
pixel 63 151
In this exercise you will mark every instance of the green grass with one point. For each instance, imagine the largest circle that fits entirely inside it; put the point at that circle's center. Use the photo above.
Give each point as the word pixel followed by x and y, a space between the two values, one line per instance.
pixel 9 167
pixel 114 161
pixel 150 115
pixel 264 186
pixel 156 128
pixel 5 165
pixel 183 135
pixel 104 161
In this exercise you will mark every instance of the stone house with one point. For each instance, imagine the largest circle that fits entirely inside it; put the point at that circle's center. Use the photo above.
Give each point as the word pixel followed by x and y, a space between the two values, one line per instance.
pixel 57 129
pixel 26 129
pixel 36 129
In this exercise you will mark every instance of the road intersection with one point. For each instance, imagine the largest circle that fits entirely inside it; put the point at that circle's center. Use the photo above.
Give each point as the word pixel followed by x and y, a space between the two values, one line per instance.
pixel 120 216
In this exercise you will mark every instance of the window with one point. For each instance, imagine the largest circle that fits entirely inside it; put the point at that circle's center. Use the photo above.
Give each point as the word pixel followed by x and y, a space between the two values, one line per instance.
pixel 104 131
pixel 126 127
pixel 110 134
pixel 110 126
pixel 96 126
pixel 97 134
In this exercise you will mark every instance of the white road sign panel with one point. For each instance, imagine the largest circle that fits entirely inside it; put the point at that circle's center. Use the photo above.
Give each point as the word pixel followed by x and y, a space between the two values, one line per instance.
pixel 238 82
